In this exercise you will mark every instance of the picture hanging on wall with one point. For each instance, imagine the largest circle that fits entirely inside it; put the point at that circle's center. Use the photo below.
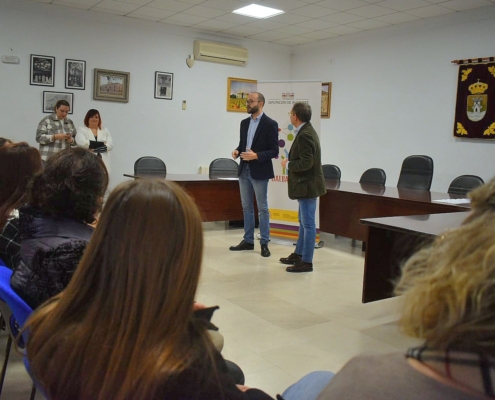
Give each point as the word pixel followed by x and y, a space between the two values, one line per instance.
pixel 326 99
pixel 164 82
pixel 51 98
pixel 111 85
pixel 42 70
pixel 237 93
pixel 75 74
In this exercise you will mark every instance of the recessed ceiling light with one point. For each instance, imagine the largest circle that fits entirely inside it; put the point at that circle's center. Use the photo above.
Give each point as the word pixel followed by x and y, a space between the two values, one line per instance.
pixel 257 11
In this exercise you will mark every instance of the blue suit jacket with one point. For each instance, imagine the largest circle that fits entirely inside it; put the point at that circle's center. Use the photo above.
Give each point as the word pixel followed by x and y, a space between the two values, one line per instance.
pixel 265 144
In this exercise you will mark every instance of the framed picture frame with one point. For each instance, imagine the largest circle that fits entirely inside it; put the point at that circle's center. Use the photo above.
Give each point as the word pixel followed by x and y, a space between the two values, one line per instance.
pixel 164 84
pixel 75 74
pixel 111 85
pixel 326 99
pixel 237 92
pixel 42 71
pixel 51 98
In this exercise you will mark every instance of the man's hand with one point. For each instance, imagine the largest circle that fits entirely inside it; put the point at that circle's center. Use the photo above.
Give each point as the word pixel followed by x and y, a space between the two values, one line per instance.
pixel 249 155
pixel 235 154
pixel 284 162
pixel 60 136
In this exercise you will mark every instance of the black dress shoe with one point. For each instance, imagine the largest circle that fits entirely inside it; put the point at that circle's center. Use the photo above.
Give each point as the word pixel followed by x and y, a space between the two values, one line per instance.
pixel 264 251
pixel 291 260
pixel 242 246
pixel 300 266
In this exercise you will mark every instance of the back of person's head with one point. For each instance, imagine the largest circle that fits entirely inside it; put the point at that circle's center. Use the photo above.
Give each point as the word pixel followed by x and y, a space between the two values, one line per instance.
pixel 4 141
pixel 123 326
pixel 18 164
pixel 449 288
pixel 302 111
pixel 71 185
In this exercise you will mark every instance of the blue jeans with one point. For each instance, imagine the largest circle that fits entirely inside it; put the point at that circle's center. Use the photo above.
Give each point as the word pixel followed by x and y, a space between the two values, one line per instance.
pixel 259 187
pixel 307 229
pixel 309 386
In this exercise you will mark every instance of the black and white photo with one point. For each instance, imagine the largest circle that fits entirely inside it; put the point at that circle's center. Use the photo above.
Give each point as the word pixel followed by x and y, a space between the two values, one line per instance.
pixel 75 74
pixel 42 70
pixel 51 98
pixel 164 85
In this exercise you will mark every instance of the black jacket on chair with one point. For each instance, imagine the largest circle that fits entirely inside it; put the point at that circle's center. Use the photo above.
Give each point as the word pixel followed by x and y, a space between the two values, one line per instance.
pixel 265 144
pixel 51 249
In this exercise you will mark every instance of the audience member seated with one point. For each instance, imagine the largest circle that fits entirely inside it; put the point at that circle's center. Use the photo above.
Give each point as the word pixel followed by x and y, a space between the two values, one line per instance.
pixel 62 200
pixel 125 328
pixel 449 302
pixel 18 164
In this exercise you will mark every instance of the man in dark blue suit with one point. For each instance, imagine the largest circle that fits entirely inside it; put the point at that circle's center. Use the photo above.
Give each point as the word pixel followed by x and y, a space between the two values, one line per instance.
pixel 257 146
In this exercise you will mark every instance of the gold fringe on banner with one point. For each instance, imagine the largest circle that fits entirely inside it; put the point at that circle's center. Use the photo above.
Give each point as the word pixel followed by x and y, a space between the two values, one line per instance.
pixel 473 60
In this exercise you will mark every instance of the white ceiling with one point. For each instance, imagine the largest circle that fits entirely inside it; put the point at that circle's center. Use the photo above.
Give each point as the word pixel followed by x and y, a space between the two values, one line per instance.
pixel 304 21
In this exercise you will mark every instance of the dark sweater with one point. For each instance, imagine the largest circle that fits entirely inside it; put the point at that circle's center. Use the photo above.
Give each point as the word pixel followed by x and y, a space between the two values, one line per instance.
pixel 49 254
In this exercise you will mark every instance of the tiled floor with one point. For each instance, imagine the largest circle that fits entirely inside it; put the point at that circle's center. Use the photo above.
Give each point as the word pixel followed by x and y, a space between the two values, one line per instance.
pixel 279 326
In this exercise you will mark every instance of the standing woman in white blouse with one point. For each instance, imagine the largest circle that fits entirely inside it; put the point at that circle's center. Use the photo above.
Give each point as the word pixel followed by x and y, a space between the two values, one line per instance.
pixel 92 136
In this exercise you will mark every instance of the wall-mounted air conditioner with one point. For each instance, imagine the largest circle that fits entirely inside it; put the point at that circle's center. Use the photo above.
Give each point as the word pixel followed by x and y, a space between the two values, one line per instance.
pixel 220 53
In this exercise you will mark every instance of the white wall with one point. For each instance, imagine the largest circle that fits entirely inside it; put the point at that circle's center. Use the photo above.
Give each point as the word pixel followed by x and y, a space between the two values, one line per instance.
pixel 144 126
pixel 394 95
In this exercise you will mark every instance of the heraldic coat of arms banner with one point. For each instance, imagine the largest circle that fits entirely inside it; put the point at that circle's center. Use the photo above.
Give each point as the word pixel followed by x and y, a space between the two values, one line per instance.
pixel 475 104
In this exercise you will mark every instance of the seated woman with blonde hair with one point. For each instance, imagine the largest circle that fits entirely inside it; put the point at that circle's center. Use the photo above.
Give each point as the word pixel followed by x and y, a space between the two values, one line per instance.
pixel 448 300
pixel 124 328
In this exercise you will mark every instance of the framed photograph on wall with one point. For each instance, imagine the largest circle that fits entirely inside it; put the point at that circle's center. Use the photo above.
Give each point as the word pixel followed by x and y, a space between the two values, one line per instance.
pixel 111 85
pixel 326 99
pixel 42 72
pixel 237 93
pixel 164 83
pixel 75 74
pixel 51 98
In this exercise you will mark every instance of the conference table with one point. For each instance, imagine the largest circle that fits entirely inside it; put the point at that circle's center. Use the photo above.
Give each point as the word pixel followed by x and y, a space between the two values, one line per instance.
pixel 218 199
pixel 346 203
pixel 392 240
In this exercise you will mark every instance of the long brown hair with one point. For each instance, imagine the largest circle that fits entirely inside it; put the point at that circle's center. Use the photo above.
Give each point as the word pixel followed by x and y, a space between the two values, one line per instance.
pixel 124 325
pixel 18 164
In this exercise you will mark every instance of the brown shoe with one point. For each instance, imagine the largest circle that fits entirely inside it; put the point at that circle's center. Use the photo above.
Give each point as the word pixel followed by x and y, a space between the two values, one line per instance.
pixel 291 260
pixel 300 266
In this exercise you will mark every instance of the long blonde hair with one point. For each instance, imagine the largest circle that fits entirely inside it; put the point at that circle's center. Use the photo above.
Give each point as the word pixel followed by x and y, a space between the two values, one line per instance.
pixel 449 288
pixel 124 325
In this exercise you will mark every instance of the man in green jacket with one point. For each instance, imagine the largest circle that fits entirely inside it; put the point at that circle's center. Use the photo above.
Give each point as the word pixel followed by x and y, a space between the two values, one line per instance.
pixel 306 184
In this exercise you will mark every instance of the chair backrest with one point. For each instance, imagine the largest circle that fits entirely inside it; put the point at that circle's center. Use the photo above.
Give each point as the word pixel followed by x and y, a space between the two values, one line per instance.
pixel 150 166
pixel 463 184
pixel 14 310
pixel 223 168
pixel 374 176
pixel 416 173
pixel 330 171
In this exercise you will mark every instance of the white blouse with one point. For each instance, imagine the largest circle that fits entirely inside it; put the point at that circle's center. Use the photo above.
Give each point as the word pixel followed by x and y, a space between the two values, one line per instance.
pixel 84 135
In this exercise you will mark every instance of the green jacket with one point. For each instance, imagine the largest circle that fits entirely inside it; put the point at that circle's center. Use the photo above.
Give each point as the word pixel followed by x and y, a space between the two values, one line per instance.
pixel 306 179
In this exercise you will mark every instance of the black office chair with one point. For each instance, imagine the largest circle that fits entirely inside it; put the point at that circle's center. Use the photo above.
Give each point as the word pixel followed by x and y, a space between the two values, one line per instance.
pixel 330 171
pixel 374 176
pixel 416 173
pixel 150 166
pixel 223 168
pixel 463 184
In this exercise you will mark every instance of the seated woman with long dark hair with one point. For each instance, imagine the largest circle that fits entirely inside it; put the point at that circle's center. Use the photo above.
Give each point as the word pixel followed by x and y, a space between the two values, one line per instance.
pixel 124 328
pixel 54 228
pixel 18 164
